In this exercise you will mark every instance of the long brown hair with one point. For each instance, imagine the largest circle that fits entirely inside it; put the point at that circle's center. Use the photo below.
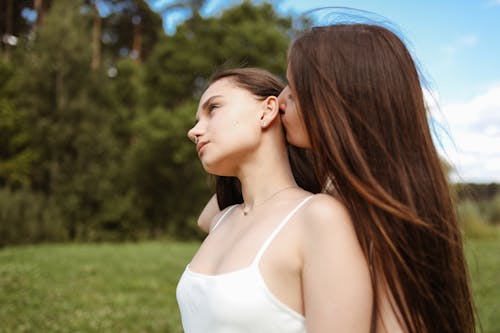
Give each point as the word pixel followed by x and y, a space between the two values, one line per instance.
pixel 360 98
pixel 261 84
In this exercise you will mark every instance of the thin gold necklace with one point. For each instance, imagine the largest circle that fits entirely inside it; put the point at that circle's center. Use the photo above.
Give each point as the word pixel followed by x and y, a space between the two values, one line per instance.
pixel 245 211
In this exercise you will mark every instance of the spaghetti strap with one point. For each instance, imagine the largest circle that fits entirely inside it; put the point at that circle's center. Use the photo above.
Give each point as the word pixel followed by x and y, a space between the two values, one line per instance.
pixel 277 230
pixel 222 217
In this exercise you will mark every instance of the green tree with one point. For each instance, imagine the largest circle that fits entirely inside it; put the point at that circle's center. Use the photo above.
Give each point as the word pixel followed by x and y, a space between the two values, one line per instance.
pixel 192 6
pixel 16 157
pixel 41 8
pixel 171 186
pixel 169 182
pixel 12 24
pixel 131 28
pixel 245 35
pixel 72 112
pixel 103 154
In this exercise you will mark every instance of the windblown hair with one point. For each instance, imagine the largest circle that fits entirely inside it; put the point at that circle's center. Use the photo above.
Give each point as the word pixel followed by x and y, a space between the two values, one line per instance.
pixel 261 84
pixel 359 94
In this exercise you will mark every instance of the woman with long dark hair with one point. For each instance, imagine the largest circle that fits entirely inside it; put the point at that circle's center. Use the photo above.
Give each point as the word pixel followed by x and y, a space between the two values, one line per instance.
pixel 355 101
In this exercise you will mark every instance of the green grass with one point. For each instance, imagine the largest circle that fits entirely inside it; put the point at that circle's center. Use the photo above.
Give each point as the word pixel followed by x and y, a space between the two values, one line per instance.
pixel 483 257
pixel 131 287
pixel 92 288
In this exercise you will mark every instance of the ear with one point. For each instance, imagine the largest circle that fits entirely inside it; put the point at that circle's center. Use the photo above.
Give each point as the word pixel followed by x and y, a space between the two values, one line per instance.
pixel 270 111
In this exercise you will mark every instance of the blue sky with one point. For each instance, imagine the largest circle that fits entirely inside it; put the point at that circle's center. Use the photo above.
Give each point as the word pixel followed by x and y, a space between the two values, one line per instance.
pixel 457 46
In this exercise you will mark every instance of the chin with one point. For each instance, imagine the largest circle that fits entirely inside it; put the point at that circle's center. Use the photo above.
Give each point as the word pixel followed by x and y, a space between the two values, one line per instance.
pixel 298 142
pixel 216 169
pixel 208 168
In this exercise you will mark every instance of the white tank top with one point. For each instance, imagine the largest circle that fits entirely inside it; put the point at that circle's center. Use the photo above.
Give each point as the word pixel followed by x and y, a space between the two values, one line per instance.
pixel 238 301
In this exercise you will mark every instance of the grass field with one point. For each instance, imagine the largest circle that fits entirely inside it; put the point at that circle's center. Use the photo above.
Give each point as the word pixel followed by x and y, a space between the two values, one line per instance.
pixel 131 287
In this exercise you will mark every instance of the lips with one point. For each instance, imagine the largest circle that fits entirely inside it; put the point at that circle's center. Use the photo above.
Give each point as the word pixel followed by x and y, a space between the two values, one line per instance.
pixel 200 145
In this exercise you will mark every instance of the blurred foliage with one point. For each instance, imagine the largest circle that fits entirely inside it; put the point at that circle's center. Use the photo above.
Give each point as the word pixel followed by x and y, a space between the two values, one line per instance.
pixel 476 191
pixel 93 142
pixel 95 103
pixel 131 29
pixel 474 222
pixel 165 172
pixel 478 208
pixel 27 217
pixel 245 35
pixel 16 156
pixel 12 24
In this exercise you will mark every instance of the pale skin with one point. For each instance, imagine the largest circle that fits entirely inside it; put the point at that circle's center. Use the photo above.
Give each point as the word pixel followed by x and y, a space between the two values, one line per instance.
pixel 297 134
pixel 315 265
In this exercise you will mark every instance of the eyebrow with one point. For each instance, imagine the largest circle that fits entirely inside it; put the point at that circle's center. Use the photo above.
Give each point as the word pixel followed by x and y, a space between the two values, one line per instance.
pixel 205 104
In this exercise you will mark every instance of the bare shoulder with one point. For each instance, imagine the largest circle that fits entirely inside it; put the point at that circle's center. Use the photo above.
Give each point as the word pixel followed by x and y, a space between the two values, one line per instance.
pixel 327 228
pixel 214 219
pixel 325 216
pixel 220 216
pixel 328 231
pixel 336 279
pixel 210 213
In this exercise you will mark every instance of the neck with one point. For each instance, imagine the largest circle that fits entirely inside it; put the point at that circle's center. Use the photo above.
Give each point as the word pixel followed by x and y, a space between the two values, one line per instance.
pixel 265 174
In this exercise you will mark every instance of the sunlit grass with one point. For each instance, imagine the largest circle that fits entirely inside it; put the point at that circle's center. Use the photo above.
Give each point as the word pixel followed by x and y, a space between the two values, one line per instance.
pixel 483 258
pixel 131 287
pixel 91 288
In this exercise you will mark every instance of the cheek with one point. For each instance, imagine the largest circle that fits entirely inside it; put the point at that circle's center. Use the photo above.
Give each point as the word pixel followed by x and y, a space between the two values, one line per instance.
pixel 296 133
pixel 228 148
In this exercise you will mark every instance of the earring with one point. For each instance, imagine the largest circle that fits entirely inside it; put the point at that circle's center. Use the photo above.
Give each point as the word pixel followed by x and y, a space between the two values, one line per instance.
pixel 263 123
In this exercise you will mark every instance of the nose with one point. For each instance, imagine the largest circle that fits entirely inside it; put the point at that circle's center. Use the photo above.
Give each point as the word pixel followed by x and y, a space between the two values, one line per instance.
pixel 194 133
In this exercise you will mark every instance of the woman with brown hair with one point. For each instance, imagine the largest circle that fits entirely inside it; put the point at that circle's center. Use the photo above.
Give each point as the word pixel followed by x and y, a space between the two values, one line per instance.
pixel 277 258
pixel 354 98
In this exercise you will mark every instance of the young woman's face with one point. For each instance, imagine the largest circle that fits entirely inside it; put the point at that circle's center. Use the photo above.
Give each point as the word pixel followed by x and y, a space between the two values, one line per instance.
pixel 296 132
pixel 227 128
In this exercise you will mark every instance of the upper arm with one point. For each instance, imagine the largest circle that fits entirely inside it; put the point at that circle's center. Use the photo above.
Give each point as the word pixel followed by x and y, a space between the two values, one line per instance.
pixel 336 278
pixel 208 214
pixel 389 316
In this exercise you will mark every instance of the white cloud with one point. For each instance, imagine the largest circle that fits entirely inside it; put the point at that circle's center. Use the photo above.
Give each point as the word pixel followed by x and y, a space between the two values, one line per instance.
pixel 474 129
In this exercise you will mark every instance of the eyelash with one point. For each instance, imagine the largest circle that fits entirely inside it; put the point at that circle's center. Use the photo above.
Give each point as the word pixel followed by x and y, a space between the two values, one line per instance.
pixel 211 107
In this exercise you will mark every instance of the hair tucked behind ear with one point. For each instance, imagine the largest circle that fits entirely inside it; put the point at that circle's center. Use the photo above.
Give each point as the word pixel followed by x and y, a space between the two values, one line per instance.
pixel 360 97
pixel 262 84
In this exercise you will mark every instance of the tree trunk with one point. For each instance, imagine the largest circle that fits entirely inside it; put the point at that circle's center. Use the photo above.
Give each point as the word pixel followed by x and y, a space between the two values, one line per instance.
pixel 8 30
pixel 39 13
pixel 96 40
pixel 137 42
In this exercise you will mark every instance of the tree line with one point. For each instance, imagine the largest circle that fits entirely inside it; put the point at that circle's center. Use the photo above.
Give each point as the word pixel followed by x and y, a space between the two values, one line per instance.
pixel 95 103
